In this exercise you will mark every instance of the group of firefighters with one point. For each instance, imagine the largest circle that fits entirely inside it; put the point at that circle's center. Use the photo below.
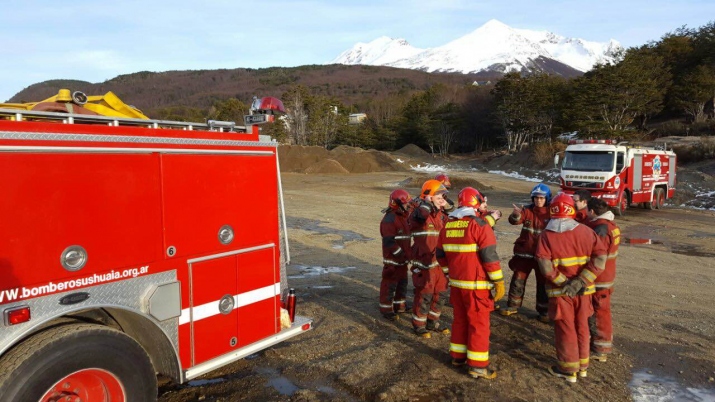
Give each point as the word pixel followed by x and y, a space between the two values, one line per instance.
pixel 569 241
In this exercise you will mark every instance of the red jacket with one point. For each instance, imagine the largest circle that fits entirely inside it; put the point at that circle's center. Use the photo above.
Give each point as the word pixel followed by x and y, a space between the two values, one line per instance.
pixel 425 222
pixel 571 253
pixel 469 248
pixel 582 216
pixel 611 236
pixel 534 220
pixel 395 232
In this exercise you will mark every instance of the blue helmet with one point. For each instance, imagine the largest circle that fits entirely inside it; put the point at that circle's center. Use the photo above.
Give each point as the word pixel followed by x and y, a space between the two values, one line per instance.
pixel 543 190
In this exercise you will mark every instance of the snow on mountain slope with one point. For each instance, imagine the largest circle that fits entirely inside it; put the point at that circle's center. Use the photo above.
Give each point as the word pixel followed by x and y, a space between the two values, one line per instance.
pixel 494 46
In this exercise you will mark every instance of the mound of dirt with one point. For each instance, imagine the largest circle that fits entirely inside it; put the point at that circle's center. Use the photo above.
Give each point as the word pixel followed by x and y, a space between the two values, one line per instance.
pixel 313 159
pixel 330 166
pixel 297 158
pixel 369 161
pixel 412 150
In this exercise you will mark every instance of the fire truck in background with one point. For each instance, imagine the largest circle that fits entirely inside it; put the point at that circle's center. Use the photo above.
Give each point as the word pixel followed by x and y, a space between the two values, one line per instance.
pixel 618 173
pixel 134 248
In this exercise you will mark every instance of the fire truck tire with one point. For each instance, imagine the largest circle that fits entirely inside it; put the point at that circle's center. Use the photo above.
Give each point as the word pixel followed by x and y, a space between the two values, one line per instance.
pixel 622 204
pixel 659 198
pixel 80 362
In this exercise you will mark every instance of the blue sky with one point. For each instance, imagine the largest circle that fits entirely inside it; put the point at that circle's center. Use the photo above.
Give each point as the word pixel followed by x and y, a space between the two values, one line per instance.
pixel 95 41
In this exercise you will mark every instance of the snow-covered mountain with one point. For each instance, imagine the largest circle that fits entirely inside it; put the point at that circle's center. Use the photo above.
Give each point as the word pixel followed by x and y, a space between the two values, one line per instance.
pixel 493 47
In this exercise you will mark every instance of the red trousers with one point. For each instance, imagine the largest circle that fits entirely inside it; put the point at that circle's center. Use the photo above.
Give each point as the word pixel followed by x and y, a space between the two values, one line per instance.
pixel 393 288
pixel 522 267
pixel 570 316
pixel 602 325
pixel 430 292
pixel 470 328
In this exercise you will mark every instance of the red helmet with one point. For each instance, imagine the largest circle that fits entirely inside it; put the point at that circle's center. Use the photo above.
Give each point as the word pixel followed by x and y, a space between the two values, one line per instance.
pixel 562 206
pixel 432 187
pixel 470 197
pixel 444 179
pixel 399 200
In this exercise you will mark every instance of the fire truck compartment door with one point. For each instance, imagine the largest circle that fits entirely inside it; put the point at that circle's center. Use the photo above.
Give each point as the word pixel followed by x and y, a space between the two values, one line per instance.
pixel 235 300
pixel 637 172
pixel 214 323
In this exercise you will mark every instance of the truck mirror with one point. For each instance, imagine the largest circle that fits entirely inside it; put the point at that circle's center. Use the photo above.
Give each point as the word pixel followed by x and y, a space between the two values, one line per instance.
pixel 556 161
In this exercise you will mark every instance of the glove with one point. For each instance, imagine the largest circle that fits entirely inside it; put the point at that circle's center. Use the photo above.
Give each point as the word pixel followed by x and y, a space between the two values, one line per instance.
pixel 496 214
pixel 499 290
pixel 573 286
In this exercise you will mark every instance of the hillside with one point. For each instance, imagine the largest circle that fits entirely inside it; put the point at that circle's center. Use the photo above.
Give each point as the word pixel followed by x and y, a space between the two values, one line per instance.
pixel 200 88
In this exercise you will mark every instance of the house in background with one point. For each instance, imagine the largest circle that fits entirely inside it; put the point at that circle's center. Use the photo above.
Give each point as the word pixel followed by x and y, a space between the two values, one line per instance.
pixel 481 83
pixel 356 118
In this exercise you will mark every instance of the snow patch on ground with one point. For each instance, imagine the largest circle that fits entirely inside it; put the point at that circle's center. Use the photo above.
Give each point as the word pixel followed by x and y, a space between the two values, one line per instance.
pixel 428 168
pixel 515 175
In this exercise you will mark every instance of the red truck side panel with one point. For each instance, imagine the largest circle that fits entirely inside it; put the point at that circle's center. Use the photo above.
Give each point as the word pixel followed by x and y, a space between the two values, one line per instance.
pixel 258 318
pixel 113 210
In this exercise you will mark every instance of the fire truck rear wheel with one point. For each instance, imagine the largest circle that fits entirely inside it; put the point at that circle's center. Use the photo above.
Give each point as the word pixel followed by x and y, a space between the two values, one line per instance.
pixel 73 361
pixel 659 198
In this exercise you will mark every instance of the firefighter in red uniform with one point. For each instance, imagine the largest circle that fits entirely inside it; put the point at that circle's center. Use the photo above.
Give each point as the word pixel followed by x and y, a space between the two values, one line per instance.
pixel 580 199
pixel 490 216
pixel 467 246
pixel 430 282
pixel 600 323
pixel 570 256
pixel 395 232
pixel 533 219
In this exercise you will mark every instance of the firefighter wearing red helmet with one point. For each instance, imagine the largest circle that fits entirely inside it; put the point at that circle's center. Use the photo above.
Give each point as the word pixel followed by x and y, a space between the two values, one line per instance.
pixel 533 219
pixel 570 257
pixel 395 232
pixel 467 245
pixel 602 222
pixel 429 280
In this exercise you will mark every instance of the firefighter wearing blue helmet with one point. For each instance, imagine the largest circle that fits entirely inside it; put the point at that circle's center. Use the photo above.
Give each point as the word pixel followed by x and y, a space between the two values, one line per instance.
pixel 533 219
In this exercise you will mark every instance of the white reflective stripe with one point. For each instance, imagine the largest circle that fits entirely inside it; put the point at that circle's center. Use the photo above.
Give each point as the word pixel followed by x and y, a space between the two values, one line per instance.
pixel 426 233
pixel 478 356
pixel 523 255
pixel 398 251
pixel 460 248
pixel 432 313
pixel 390 262
pixel 398 301
pixel 603 343
pixel 532 230
pixel 414 317
pixel 385 305
pixel 210 309
pixel 421 265
pixel 455 347
pixel 604 285
pixel 403 237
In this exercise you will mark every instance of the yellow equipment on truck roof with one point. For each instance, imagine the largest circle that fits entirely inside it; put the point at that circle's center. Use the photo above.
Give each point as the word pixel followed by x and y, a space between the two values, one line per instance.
pixel 77 102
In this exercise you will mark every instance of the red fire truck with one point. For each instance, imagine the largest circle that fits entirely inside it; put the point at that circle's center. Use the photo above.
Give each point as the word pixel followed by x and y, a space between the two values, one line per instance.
pixel 618 173
pixel 134 248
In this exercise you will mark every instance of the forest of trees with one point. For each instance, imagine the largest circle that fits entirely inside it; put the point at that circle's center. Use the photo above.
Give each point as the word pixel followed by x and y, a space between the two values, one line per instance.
pixel 665 87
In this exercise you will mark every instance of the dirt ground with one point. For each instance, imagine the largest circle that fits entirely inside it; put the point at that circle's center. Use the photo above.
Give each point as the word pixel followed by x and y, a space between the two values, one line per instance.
pixel 664 315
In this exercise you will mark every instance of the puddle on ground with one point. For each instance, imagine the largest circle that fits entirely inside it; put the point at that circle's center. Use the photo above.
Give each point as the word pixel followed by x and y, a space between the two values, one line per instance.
pixel 314 225
pixel 647 387
pixel 306 271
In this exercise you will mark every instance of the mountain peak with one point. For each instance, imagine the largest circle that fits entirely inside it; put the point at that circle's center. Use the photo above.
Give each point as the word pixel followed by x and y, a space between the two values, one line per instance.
pixel 494 46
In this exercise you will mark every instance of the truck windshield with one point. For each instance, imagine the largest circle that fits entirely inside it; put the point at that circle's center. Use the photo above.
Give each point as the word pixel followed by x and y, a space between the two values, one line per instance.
pixel 590 161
